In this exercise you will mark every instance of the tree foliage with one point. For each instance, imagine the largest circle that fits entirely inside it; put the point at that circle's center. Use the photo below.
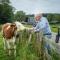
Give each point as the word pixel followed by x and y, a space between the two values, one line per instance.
pixel 57 17
pixel 6 11
pixel 20 16
pixel 50 17
pixel 5 1
pixel 53 17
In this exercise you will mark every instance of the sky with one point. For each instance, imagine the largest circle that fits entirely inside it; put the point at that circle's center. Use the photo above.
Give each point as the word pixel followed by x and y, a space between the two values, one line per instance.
pixel 36 6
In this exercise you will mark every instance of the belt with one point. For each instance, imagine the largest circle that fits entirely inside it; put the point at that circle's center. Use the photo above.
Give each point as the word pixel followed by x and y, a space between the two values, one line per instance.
pixel 48 34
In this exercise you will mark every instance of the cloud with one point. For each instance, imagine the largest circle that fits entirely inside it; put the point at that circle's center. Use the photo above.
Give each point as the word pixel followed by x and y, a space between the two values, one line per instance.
pixel 30 6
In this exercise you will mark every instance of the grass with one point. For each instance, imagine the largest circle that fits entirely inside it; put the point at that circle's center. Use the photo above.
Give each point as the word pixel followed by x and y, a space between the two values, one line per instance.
pixel 25 50
pixel 54 29
pixel 27 25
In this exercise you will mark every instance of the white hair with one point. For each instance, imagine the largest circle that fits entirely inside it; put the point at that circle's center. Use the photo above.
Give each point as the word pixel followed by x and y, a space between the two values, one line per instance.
pixel 38 14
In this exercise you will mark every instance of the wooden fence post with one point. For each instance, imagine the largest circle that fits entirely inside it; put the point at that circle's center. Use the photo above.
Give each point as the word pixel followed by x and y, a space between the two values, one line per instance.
pixel 41 52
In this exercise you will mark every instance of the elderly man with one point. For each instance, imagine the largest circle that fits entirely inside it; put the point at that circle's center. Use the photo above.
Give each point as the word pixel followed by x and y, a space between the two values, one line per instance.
pixel 42 24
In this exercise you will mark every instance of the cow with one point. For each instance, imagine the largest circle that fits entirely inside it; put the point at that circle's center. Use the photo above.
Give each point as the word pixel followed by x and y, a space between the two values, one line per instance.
pixel 9 37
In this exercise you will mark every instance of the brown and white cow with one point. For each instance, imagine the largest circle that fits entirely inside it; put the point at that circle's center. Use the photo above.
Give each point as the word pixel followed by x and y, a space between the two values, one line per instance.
pixel 10 31
pixel 9 37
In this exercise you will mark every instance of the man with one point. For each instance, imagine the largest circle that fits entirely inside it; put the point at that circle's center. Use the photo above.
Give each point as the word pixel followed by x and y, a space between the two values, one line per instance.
pixel 42 24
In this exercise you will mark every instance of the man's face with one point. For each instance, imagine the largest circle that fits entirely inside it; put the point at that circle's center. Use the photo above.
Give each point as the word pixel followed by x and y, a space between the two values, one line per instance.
pixel 37 18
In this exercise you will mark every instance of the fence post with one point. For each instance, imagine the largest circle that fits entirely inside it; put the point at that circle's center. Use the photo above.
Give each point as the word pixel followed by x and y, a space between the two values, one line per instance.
pixel 41 52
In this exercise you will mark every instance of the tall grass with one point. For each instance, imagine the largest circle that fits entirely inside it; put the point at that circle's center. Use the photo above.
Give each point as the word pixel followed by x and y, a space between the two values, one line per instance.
pixel 33 49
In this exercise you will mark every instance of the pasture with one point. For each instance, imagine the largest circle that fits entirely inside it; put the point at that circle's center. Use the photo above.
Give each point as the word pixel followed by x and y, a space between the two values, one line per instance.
pixel 28 49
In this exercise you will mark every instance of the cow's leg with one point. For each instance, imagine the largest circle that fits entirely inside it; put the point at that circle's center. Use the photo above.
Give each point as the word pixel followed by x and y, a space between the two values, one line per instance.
pixel 14 50
pixel 4 42
pixel 14 45
pixel 9 51
pixel 8 47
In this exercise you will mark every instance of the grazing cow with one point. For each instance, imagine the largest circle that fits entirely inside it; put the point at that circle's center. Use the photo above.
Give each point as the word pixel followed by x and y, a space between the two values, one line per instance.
pixel 9 37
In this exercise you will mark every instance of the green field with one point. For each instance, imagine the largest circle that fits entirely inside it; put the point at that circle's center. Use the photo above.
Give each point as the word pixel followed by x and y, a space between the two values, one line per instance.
pixel 27 50
pixel 54 29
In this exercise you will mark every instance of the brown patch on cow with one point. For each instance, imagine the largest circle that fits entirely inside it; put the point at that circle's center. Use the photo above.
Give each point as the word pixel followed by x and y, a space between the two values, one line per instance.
pixel 9 30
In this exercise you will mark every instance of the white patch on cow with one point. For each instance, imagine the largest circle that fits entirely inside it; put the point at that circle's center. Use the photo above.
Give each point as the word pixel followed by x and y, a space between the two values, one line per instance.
pixel 8 27
pixel 12 41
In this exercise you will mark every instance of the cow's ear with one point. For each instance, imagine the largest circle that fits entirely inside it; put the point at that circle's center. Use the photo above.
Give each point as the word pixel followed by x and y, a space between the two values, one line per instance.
pixel 13 25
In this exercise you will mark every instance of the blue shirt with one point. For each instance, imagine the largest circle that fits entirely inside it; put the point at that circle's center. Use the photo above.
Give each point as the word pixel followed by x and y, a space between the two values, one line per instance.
pixel 43 24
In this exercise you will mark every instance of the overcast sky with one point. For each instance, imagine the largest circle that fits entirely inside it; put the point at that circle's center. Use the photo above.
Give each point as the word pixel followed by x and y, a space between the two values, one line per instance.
pixel 32 6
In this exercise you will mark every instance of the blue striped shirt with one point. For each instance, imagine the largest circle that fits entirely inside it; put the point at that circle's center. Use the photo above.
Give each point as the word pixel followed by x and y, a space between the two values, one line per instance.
pixel 43 24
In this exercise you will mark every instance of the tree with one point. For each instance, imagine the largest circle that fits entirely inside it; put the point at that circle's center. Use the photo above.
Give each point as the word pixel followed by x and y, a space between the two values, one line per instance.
pixel 20 16
pixel 5 1
pixel 57 17
pixel 50 17
pixel 6 11
pixel 54 18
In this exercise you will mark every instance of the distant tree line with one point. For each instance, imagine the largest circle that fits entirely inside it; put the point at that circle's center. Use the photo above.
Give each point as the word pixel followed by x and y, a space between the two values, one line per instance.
pixel 20 16
pixel 7 14
pixel 53 18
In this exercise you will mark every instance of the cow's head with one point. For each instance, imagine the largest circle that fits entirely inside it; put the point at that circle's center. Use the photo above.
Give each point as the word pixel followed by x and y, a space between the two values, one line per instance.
pixel 13 26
